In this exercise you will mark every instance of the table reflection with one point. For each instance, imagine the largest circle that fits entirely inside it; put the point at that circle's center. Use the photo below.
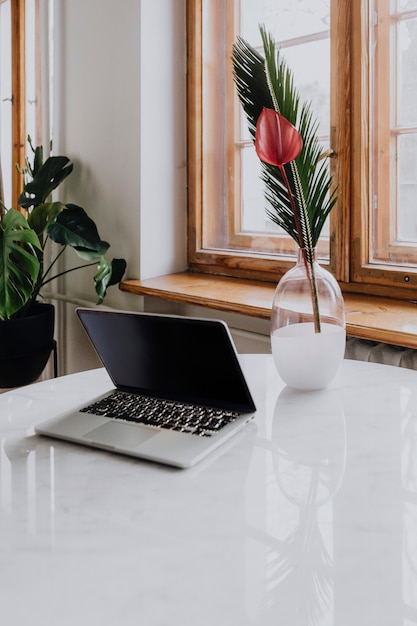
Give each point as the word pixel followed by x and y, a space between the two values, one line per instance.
pixel 26 500
pixel 304 464
pixel 409 488
pixel 333 534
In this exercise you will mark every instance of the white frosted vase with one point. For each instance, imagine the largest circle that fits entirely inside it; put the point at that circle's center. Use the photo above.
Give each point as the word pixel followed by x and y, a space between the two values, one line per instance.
pixel 308 334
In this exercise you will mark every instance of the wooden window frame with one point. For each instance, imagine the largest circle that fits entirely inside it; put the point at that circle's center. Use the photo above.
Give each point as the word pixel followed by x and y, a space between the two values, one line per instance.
pixel 385 145
pixel 18 26
pixel 18 42
pixel 350 140
pixel 262 264
pixel 366 276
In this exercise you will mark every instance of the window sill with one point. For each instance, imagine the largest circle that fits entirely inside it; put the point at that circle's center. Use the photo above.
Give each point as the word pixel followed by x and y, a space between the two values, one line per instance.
pixel 367 317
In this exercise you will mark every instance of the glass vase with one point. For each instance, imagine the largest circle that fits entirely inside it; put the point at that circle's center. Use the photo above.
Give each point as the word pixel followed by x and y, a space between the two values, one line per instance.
pixel 308 334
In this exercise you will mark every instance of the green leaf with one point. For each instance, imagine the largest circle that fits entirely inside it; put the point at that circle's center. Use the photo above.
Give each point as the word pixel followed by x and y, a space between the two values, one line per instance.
pixel 118 269
pixel 109 273
pixel 45 179
pixel 44 214
pixel 37 160
pixel 73 227
pixel 250 81
pixel 19 264
pixel 266 81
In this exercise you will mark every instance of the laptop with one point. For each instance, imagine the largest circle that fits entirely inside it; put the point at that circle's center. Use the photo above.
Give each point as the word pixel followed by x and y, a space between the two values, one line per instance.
pixel 179 391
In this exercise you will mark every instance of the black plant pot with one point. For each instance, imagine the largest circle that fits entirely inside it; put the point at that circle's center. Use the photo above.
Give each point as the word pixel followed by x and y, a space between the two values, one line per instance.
pixel 25 345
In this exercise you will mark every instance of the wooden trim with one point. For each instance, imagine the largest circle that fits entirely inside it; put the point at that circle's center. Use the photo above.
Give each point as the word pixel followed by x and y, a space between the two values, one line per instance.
pixel 38 77
pixel 386 246
pixel 367 317
pixel 234 117
pixel 360 138
pixel 194 135
pixel 18 22
pixel 340 135
pixel 371 164
pixel 381 227
pixel 217 292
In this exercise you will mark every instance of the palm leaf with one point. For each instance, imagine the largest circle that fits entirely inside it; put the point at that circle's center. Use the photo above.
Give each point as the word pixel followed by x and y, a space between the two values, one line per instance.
pixel 268 82
pixel 249 77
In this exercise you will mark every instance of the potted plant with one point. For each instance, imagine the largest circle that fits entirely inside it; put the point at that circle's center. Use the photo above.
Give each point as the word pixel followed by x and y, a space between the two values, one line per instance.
pixel 26 323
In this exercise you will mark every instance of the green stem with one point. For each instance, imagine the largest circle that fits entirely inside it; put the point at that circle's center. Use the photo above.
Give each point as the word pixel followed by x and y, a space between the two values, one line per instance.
pixel 44 282
pixel 52 263
pixel 72 269
pixel 294 209
pixel 308 256
pixel 309 263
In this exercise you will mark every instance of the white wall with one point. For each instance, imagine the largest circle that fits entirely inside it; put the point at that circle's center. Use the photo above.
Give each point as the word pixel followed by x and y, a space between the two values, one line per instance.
pixel 119 114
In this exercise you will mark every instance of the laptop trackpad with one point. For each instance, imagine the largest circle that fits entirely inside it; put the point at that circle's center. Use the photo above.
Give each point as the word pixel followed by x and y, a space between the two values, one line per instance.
pixel 118 435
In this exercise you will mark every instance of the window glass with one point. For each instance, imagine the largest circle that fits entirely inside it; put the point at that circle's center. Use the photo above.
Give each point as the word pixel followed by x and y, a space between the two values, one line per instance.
pixel 285 20
pixel 407 188
pixel 234 213
pixel 403 5
pixel 394 189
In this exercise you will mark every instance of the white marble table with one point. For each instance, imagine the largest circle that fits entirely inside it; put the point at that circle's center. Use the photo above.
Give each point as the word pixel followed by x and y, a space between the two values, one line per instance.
pixel 309 516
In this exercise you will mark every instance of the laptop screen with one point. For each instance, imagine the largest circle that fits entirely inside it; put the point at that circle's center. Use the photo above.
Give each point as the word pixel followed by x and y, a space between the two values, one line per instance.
pixel 187 359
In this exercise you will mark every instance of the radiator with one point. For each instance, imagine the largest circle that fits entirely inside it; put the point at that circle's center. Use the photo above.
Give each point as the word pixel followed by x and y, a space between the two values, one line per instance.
pixel 377 352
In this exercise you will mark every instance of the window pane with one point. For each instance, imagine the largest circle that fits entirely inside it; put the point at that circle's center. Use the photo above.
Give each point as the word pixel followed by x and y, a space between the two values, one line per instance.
pixel 284 20
pixel 407 188
pixel 394 188
pixel 253 205
pixel 403 5
pixel 232 228
pixel 310 64
pixel 406 41
pixel 301 31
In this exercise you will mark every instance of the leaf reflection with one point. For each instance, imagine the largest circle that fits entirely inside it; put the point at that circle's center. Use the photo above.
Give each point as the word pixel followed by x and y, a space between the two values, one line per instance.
pixel 309 463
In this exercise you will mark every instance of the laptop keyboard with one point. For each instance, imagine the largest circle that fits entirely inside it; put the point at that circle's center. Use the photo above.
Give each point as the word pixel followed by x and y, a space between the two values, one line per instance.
pixel 187 418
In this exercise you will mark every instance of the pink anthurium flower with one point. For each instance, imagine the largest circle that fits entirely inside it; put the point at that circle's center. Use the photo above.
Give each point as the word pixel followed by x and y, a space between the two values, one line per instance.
pixel 277 141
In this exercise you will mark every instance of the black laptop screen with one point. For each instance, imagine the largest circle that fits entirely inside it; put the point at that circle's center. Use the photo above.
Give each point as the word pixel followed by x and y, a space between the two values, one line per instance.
pixel 176 358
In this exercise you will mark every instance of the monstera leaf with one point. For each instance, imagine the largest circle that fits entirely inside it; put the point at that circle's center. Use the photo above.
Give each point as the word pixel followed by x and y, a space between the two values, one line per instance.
pixel 24 268
pixel 19 264
pixel 74 228
pixel 109 273
pixel 46 178
pixel 43 215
